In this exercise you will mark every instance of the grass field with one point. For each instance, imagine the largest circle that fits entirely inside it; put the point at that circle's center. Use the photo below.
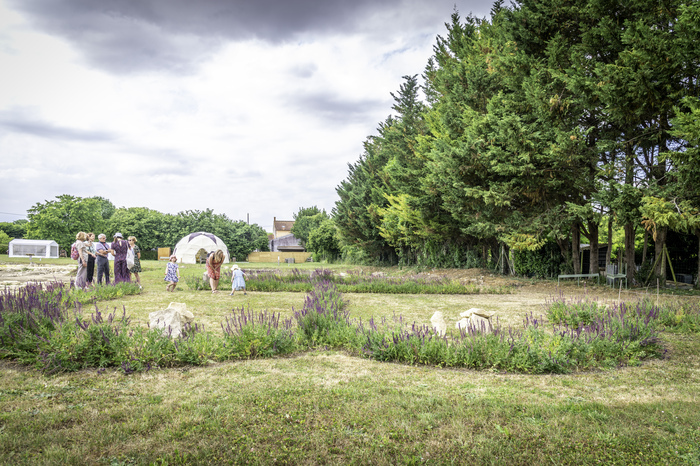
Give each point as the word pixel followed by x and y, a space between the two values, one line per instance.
pixel 326 407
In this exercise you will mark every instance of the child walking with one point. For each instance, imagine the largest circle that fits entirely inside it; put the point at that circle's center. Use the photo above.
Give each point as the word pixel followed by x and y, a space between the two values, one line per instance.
pixel 172 273
pixel 238 282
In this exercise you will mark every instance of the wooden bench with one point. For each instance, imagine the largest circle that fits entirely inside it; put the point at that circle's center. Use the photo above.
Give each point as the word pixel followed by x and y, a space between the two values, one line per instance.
pixel 579 276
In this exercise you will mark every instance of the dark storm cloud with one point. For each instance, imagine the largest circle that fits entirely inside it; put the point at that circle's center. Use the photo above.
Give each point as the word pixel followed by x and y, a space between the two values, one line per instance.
pixel 22 121
pixel 127 36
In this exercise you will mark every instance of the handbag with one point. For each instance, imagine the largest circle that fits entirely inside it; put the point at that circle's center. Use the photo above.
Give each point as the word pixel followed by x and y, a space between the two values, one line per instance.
pixel 129 259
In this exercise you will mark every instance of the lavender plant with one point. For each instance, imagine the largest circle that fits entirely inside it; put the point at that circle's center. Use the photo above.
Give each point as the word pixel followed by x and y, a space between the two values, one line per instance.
pixel 37 327
pixel 299 281
pixel 324 319
pixel 251 335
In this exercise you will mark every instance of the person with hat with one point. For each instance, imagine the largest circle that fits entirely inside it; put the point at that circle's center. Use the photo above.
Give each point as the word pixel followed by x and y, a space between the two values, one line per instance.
pixel 237 282
pixel 120 248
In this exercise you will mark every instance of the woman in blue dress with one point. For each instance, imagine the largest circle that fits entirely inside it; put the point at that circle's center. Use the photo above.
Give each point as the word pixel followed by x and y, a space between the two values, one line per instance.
pixel 238 282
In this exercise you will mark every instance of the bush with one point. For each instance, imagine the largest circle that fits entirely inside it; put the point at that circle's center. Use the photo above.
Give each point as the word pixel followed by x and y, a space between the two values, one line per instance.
pixel 324 320
pixel 37 327
pixel 248 335
pixel 298 281
pixel 546 262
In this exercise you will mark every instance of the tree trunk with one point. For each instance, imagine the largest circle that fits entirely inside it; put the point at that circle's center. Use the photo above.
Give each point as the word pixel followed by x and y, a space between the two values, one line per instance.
pixel 565 251
pixel 576 246
pixel 697 277
pixel 646 246
pixel 630 231
pixel 660 240
pixel 593 240
pixel 608 253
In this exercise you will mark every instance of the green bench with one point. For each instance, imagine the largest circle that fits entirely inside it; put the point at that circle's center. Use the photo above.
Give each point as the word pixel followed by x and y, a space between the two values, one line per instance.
pixel 579 276
pixel 611 275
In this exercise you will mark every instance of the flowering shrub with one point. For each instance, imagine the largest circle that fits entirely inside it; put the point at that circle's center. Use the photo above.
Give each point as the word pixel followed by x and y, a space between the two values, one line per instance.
pixel 251 335
pixel 38 328
pixel 298 281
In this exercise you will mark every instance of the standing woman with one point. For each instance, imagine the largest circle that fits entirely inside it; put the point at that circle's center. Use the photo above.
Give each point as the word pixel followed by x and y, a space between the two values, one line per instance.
pixel 81 277
pixel 137 260
pixel 119 250
pixel 214 262
pixel 91 258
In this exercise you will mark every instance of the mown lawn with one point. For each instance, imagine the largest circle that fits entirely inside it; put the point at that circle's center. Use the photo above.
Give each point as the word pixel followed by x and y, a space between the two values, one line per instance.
pixel 326 407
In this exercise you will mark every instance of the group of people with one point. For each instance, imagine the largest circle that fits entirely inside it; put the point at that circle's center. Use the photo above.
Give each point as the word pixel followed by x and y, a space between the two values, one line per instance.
pixel 214 262
pixel 93 256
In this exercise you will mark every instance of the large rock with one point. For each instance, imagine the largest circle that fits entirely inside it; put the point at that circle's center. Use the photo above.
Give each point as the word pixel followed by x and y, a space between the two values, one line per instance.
pixel 438 321
pixel 477 318
pixel 172 319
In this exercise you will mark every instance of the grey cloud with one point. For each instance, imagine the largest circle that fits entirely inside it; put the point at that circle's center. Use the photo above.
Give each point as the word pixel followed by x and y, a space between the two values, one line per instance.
pixel 132 36
pixel 327 106
pixel 23 121
pixel 304 70
pixel 238 174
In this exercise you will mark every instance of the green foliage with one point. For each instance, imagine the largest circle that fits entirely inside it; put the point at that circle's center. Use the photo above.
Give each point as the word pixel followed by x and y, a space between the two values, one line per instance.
pixel 154 229
pixel 324 319
pixel 323 240
pixel 16 229
pixel 681 317
pixel 545 262
pixel 350 283
pixel 248 335
pixel 4 242
pixel 574 313
pixel 532 131
pixel 61 219
pixel 306 221
pixel 37 328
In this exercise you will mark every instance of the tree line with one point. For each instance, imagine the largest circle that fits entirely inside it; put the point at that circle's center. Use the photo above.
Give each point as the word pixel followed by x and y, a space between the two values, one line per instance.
pixel 549 123
pixel 62 218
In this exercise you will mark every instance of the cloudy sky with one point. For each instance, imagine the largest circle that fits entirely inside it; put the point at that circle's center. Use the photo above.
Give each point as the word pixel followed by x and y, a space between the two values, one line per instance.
pixel 247 107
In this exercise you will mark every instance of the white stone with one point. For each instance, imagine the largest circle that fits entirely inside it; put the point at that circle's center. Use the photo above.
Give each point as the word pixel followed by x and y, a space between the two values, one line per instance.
pixel 174 318
pixel 475 317
pixel 438 321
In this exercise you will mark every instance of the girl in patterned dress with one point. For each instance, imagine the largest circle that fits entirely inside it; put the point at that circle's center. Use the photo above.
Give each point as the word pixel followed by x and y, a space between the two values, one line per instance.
pixel 137 260
pixel 172 273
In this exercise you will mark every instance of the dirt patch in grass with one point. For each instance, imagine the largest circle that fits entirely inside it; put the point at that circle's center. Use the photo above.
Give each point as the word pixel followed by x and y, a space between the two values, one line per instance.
pixel 18 275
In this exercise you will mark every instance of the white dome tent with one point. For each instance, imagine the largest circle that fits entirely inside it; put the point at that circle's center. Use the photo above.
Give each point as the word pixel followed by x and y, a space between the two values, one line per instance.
pixel 194 245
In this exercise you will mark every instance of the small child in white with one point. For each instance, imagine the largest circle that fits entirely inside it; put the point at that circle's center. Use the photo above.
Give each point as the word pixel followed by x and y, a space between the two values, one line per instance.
pixel 237 282
pixel 172 273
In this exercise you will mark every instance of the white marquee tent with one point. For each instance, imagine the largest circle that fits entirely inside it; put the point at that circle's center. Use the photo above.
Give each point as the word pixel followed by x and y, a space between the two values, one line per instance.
pixel 42 248
pixel 188 248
